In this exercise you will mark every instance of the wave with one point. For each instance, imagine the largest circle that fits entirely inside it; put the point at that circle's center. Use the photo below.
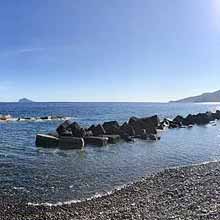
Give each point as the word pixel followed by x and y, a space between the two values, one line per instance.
pixel 115 189
pixel 97 195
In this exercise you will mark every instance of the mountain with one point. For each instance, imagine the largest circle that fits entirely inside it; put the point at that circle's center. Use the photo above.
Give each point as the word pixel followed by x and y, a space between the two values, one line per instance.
pixel 205 97
pixel 25 100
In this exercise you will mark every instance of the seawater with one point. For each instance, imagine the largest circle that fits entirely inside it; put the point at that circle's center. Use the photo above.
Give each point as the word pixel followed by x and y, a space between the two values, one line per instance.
pixel 33 175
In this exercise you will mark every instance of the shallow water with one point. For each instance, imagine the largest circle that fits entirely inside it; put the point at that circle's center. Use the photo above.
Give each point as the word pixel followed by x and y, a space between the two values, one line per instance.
pixel 37 175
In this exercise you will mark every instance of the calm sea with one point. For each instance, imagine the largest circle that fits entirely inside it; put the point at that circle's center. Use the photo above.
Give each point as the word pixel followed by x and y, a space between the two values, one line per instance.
pixel 30 174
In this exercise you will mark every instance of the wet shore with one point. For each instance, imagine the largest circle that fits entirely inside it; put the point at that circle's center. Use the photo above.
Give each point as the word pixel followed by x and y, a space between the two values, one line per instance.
pixel 182 193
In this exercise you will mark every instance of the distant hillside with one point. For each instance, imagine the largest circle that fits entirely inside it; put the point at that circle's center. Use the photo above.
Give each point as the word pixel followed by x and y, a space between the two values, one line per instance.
pixel 25 100
pixel 205 97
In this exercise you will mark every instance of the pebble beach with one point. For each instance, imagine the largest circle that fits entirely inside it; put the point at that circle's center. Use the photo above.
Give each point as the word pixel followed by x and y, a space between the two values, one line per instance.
pixel 179 193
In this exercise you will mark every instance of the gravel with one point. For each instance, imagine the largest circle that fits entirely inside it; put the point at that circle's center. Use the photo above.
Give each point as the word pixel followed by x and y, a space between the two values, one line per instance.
pixel 182 193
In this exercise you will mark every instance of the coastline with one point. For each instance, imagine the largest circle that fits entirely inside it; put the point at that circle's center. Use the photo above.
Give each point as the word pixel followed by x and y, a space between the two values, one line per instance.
pixel 190 192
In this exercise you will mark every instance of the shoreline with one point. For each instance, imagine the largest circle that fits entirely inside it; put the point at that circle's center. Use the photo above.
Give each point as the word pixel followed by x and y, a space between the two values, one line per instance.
pixel 189 192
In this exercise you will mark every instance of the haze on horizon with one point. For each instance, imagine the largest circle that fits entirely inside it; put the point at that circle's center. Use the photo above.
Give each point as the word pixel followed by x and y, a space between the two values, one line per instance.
pixel 143 50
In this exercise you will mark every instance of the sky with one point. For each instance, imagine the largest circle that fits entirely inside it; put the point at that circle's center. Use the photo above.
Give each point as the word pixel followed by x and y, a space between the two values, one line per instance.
pixel 118 50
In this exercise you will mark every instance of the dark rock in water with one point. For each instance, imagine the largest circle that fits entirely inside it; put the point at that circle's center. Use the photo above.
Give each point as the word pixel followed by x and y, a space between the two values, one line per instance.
pixel 77 131
pixel 63 127
pixel 210 116
pixel 88 133
pixel 98 141
pixel 216 115
pixel 166 122
pixel 174 124
pixel 91 128
pixel 112 138
pixel 54 134
pixel 202 119
pixel 189 120
pixel 199 119
pixel 66 134
pixel 44 118
pixel 46 141
pixel 127 129
pixel 126 137
pixel 153 137
pixel 111 127
pixel 179 120
pixel 149 124
pixel 67 143
pixel 27 118
pixel 97 130
pixel 161 126
pixel 143 135
pixel 152 121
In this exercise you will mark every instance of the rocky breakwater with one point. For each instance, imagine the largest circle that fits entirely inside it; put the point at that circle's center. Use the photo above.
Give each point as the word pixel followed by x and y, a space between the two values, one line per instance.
pixel 190 120
pixel 70 135
pixel 9 118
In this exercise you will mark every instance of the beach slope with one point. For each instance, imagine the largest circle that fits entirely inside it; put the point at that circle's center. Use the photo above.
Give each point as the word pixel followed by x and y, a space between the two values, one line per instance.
pixel 183 193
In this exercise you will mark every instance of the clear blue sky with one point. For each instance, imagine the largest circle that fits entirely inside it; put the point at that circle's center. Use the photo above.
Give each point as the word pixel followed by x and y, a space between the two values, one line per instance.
pixel 116 50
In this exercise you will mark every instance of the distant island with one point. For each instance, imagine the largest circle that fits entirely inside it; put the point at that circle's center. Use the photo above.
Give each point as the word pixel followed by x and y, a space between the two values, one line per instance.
pixel 205 97
pixel 25 100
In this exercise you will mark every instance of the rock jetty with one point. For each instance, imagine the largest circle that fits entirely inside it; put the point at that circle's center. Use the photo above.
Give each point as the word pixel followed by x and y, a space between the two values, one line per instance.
pixel 109 132
pixel 71 135
pixel 8 118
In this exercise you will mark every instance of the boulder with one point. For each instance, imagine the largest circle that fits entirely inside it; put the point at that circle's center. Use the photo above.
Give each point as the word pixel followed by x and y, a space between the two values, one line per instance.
pixel 111 127
pixel 63 127
pixel 77 131
pixel 178 120
pixel 153 137
pixel 149 124
pixel 217 115
pixel 98 141
pixel 127 129
pixel 166 122
pixel 46 141
pixel 67 143
pixel 210 116
pixel 97 130
pixel 126 137
pixel 202 119
pixel 66 134
pixel 54 134
pixel 44 118
pixel 88 133
pixel 174 124
pixel 189 120
pixel 153 121
pixel 161 126
pixel 112 138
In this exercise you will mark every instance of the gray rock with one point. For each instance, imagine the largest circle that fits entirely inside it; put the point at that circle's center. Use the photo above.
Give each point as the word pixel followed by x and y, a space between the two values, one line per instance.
pixel 63 127
pixel 97 130
pixel 111 127
pixel 77 131
pixel 98 141
pixel 67 143
pixel 46 141
pixel 112 138
pixel 127 129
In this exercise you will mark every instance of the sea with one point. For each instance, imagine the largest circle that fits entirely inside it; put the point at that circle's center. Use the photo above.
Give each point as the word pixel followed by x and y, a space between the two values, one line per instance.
pixel 51 176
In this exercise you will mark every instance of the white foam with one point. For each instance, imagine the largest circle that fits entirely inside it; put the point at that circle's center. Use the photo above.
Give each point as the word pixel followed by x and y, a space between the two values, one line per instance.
pixel 97 195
